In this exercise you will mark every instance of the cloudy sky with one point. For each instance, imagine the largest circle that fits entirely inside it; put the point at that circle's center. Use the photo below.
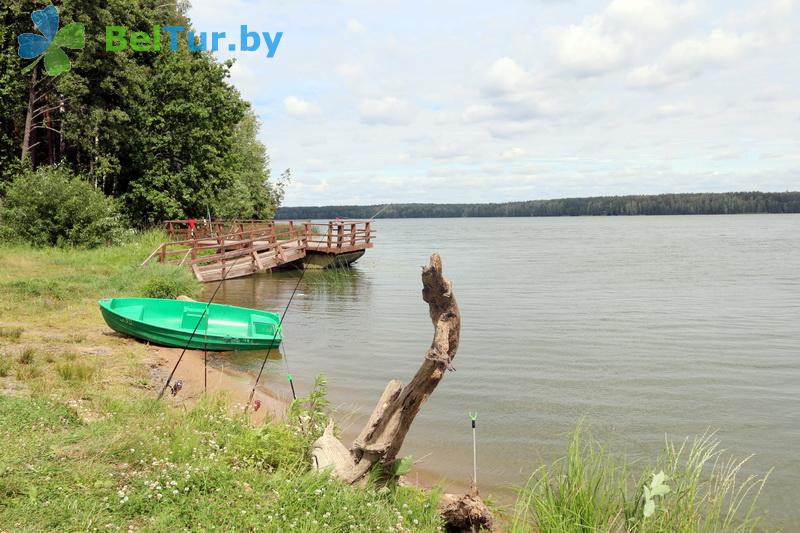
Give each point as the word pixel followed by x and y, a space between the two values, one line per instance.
pixel 462 101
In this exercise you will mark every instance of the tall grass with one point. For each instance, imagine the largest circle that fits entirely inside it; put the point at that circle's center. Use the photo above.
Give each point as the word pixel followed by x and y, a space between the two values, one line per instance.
pixel 75 371
pixel 54 278
pixel 10 333
pixel 335 278
pixel 590 491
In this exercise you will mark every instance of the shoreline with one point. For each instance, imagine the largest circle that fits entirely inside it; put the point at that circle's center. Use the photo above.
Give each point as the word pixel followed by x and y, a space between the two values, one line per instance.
pixel 236 385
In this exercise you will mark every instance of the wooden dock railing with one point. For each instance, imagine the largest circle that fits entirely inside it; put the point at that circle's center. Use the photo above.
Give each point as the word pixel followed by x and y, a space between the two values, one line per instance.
pixel 226 249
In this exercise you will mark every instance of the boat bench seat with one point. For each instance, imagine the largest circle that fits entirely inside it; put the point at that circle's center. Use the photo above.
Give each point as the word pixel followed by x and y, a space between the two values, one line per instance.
pixel 190 318
pixel 259 327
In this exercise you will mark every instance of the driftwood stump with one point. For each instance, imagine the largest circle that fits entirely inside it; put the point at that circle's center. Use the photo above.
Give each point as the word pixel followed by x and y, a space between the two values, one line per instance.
pixel 382 437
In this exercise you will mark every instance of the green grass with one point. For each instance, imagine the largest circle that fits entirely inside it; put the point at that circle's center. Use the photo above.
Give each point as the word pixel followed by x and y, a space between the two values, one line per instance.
pixel 57 277
pixel 10 333
pixel 74 371
pixel 589 490
pixel 27 356
pixel 153 468
pixel 85 445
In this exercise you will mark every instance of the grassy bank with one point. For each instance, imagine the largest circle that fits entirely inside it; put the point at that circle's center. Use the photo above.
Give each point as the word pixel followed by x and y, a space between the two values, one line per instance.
pixel 694 486
pixel 86 447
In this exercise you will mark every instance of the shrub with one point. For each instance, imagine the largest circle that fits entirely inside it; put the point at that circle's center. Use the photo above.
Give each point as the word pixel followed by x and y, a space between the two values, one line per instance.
pixel 5 365
pixel 310 414
pixel 166 281
pixel 51 207
pixel 27 356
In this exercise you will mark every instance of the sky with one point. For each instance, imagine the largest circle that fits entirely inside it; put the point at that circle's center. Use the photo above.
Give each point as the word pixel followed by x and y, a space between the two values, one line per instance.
pixel 379 101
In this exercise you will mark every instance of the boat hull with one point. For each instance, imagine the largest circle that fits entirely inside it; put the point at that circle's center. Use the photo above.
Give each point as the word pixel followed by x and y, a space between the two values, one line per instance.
pixel 203 339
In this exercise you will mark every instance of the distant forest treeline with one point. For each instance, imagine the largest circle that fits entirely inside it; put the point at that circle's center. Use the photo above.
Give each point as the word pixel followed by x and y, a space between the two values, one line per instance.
pixel 661 204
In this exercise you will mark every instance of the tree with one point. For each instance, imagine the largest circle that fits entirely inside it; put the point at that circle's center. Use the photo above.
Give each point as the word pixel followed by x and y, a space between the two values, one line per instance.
pixel 165 132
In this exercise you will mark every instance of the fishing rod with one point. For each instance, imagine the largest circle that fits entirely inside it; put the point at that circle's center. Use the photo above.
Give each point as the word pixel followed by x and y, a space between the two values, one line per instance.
pixel 382 209
pixel 202 316
pixel 269 350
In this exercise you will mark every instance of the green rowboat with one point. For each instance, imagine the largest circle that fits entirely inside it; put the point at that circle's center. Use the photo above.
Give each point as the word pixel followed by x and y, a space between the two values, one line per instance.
pixel 171 323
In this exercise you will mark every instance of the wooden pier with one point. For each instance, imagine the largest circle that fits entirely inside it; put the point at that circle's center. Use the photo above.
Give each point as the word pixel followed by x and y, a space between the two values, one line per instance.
pixel 225 249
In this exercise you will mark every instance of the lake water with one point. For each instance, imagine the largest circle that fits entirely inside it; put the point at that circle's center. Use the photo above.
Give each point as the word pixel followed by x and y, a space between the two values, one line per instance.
pixel 639 326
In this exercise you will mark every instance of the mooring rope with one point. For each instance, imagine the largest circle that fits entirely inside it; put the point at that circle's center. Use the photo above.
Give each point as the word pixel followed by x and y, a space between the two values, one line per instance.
pixel 278 329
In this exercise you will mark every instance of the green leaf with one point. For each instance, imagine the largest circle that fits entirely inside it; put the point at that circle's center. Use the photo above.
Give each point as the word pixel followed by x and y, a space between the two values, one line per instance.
pixel 71 36
pixel 56 61
pixel 403 466
pixel 657 485
pixel 649 508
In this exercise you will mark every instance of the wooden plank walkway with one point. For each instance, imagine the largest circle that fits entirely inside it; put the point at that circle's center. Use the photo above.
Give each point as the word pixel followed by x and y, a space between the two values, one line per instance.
pixel 226 249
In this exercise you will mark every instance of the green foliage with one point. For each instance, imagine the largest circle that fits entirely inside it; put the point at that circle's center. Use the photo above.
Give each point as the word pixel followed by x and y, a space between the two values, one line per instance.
pixel 10 333
pixel 310 414
pixel 690 488
pixel 662 204
pixel 249 196
pixel 657 488
pixel 75 371
pixel 5 365
pixel 50 207
pixel 146 466
pixel 167 282
pixel 27 356
pixel 165 133
pixel 273 447
pixel 55 278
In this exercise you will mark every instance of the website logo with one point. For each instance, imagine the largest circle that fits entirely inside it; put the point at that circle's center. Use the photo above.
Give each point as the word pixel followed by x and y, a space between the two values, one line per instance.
pixel 118 38
pixel 50 42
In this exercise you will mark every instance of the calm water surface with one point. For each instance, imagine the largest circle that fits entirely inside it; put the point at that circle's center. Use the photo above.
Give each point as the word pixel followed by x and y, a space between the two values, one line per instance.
pixel 642 327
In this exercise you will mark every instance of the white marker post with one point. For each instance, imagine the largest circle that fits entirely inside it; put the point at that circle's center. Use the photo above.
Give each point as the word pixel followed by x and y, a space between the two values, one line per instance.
pixel 474 418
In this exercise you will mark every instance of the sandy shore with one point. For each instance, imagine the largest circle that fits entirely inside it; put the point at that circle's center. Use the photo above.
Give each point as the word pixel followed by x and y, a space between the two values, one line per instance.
pixel 233 384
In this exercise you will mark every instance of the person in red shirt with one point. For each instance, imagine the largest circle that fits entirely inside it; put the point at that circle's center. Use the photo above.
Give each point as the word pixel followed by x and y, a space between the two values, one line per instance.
pixel 192 225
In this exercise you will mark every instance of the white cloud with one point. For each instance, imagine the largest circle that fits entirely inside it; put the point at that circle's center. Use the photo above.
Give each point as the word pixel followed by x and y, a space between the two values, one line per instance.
pixel 591 47
pixel 505 76
pixel 354 26
pixel 513 153
pixel 349 70
pixel 512 95
pixel 474 119
pixel 674 109
pixel 388 110
pixel 297 107
pixel 479 113
pixel 655 15
pixel 690 57
pixel 649 76
pixel 718 48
